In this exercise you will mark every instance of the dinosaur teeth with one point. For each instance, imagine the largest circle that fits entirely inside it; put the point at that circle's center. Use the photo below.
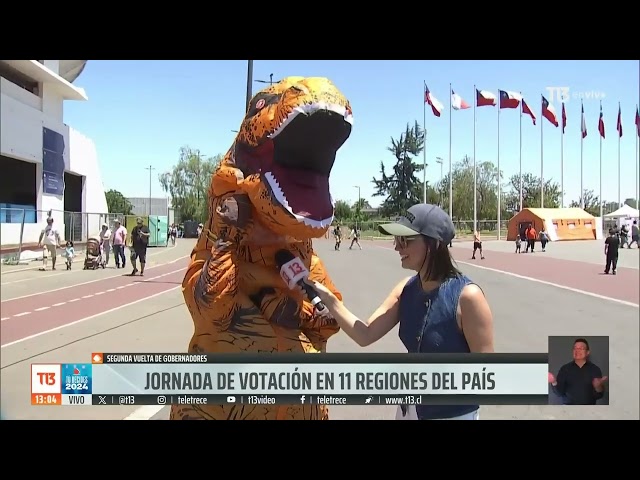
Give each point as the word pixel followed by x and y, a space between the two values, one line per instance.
pixel 277 191
pixel 282 199
pixel 308 109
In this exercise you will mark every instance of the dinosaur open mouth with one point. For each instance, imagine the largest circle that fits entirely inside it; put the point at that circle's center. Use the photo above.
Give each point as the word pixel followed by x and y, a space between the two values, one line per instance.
pixel 304 150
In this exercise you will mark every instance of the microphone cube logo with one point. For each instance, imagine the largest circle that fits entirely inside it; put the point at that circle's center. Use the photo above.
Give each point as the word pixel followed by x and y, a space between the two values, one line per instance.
pixel 292 272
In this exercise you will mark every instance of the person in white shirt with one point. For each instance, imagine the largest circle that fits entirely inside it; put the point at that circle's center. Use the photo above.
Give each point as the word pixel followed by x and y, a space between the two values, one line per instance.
pixel 355 234
pixel 105 237
pixel 50 238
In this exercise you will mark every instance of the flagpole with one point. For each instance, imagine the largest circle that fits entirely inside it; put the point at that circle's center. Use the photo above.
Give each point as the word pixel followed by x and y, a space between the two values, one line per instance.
pixel 424 153
pixel 562 161
pixel 637 166
pixel 600 194
pixel 499 164
pixel 475 168
pixel 582 157
pixel 450 164
pixel 521 152
pixel 541 154
pixel 619 172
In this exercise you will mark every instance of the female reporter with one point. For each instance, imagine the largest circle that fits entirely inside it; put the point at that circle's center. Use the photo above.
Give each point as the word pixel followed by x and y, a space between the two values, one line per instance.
pixel 439 309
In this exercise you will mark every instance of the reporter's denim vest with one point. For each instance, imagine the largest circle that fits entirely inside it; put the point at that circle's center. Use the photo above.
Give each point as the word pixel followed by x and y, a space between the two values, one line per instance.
pixel 428 324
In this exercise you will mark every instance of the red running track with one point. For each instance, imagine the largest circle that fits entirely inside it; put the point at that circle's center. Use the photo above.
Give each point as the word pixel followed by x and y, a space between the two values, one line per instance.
pixel 569 273
pixel 34 314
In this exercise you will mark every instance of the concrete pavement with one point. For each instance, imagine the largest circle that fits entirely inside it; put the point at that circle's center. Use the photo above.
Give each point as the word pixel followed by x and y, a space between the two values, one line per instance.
pixel 526 310
pixel 31 280
pixel 589 251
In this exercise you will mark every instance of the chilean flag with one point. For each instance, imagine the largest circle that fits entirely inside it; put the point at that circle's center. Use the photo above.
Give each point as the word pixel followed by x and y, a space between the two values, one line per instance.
pixel 549 112
pixel 619 124
pixel 583 126
pixel 638 120
pixel 526 110
pixel 601 124
pixel 436 106
pixel 457 103
pixel 484 98
pixel 564 118
pixel 509 99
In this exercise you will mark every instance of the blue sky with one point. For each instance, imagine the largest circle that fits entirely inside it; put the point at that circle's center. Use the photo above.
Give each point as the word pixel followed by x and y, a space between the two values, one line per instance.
pixel 141 112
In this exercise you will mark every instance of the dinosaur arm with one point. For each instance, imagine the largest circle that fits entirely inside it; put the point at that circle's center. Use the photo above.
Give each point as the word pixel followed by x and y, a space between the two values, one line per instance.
pixel 211 271
pixel 325 325
pixel 319 274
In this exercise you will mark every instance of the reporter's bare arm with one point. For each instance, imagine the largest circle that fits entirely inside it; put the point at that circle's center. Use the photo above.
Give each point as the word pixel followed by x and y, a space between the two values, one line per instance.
pixel 379 323
pixel 476 319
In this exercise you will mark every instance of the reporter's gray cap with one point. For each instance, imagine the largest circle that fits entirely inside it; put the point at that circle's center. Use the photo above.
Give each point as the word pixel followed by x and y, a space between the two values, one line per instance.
pixel 422 219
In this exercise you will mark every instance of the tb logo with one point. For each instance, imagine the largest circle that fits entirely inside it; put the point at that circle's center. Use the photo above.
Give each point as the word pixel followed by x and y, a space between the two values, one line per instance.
pixel 47 378
pixel 559 94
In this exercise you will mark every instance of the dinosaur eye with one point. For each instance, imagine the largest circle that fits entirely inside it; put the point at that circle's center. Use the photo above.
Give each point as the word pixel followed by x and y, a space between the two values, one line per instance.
pixel 264 101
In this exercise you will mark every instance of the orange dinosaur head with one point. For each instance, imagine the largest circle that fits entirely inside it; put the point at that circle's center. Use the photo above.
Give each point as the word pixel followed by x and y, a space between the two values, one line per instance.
pixel 284 153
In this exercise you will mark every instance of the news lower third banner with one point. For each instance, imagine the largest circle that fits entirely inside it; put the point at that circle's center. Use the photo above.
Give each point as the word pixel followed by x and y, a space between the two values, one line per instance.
pixel 338 379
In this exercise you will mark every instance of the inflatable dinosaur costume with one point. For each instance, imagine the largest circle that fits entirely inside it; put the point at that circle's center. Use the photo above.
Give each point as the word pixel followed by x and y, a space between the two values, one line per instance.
pixel 270 192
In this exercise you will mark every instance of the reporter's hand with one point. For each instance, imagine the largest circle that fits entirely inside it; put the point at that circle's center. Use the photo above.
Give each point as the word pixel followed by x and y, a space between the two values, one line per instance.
pixel 324 293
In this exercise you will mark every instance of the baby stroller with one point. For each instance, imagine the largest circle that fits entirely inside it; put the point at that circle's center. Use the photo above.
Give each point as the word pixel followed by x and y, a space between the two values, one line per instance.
pixel 94 256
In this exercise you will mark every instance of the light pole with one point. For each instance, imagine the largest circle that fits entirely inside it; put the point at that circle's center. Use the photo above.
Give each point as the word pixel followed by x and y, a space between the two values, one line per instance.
pixel 357 205
pixel 151 169
pixel 441 162
pixel 424 163
pixel 270 82
pixel 249 82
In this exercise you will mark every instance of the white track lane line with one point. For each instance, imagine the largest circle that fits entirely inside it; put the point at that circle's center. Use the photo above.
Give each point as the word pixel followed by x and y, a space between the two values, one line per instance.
pixel 537 280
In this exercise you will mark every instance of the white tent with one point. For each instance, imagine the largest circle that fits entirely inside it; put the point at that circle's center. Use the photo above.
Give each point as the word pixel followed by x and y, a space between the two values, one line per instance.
pixel 625 215
pixel 624 212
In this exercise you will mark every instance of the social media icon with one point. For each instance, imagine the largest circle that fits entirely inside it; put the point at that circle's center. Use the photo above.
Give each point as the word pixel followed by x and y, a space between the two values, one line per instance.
pixel 231 399
pixel 302 398
pixel 162 400
pixel 368 400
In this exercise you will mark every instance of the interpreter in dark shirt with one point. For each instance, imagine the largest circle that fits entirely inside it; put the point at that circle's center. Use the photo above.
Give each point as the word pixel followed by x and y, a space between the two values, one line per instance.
pixel 139 241
pixel 611 247
pixel 579 382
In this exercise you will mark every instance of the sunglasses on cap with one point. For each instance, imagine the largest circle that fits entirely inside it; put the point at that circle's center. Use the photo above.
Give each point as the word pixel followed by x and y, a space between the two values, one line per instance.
pixel 402 242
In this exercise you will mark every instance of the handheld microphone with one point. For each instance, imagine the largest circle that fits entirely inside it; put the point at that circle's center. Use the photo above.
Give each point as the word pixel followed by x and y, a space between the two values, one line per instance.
pixel 293 271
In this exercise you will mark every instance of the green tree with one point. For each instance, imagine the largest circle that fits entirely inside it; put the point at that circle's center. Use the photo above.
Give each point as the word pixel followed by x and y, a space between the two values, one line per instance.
pixel 591 203
pixel 117 203
pixel 343 211
pixel 188 183
pixel 402 188
pixel 531 194
pixel 361 204
pixel 486 189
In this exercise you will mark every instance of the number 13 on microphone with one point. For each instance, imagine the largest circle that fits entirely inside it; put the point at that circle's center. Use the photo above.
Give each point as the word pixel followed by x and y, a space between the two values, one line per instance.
pixel 345 380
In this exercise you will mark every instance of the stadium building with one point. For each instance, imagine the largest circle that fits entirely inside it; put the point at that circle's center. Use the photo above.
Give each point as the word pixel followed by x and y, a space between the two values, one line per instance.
pixel 47 166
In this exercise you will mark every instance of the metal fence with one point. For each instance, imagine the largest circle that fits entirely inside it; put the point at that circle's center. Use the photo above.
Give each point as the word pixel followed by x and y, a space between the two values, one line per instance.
pixel 21 228
pixel 464 228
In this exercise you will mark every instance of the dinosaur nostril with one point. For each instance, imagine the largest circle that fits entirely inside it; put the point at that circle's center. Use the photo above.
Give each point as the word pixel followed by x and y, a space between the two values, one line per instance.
pixel 300 88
